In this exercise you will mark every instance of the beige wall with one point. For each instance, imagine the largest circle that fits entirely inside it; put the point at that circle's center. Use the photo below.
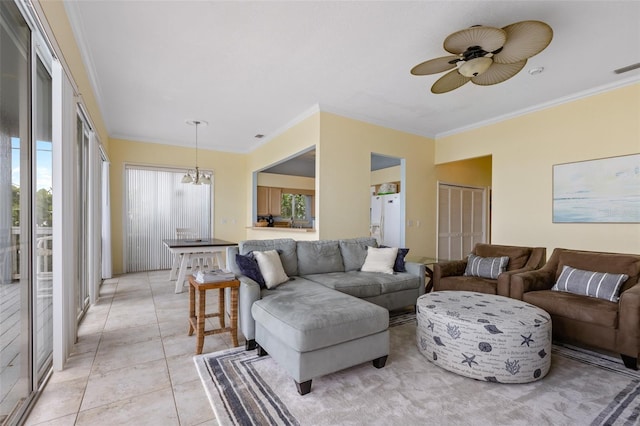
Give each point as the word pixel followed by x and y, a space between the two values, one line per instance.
pixel 525 148
pixel 472 172
pixel 299 137
pixel 229 185
pixel 286 181
pixel 56 17
pixel 345 179
pixel 390 174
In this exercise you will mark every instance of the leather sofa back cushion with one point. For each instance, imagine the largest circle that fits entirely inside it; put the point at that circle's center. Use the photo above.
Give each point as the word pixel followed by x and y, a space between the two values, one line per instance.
pixel 602 262
pixel 518 256
pixel 319 257
pixel 286 248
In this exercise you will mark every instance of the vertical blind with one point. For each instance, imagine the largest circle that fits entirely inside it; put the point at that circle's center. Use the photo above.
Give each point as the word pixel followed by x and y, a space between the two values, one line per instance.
pixel 156 204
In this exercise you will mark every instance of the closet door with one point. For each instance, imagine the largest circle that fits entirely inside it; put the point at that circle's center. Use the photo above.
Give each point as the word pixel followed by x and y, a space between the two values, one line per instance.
pixel 462 213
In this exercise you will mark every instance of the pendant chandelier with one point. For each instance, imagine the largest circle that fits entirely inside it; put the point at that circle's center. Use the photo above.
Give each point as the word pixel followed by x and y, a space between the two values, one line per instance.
pixel 195 176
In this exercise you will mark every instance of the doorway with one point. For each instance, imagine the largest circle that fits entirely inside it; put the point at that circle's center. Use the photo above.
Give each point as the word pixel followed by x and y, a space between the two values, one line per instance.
pixel 462 220
pixel 387 209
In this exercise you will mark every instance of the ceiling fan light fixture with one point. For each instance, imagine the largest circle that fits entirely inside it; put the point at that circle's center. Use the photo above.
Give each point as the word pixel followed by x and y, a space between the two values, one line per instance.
pixel 475 67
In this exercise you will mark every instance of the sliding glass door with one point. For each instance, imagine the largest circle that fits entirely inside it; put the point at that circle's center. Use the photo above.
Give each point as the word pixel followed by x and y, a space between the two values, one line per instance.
pixel 43 222
pixel 26 302
pixel 157 203
pixel 15 56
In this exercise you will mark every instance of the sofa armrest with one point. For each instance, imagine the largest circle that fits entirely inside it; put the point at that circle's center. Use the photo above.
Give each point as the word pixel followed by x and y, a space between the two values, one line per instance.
pixel 540 279
pixel 504 280
pixel 249 293
pixel 449 269
pixel 629 316
pixel 417 269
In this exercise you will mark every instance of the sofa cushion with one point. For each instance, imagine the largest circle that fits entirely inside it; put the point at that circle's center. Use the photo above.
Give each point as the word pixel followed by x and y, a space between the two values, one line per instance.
pixel 249 267
pixel 307 316
pixel 588 283
pixel 602 262
pixel 271 268
pixel 518 256
pixel 354 252
pixel 380 260
pixel 366 284
pixel 318 257
pixel 466 283
pixel 354 283
pixel 486 267
pixel 590 310
pixel 286 248
pixel 399 266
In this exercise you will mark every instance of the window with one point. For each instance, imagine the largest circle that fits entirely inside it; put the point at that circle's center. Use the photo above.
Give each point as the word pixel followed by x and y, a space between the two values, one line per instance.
pixel 295 206
pixel 156 204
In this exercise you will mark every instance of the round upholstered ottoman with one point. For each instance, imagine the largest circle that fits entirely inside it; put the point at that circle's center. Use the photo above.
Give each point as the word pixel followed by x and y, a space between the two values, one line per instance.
pixel 484 336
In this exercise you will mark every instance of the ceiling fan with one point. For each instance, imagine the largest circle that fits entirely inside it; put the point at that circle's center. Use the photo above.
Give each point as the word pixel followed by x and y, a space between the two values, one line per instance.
pixel 486 55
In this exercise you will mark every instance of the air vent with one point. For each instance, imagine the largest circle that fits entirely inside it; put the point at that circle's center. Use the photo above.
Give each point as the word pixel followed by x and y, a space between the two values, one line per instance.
pixel 627 68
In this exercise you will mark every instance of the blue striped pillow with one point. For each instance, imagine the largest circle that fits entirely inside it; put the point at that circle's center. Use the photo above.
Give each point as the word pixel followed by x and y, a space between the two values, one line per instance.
pixel 602 285
pixel 486 267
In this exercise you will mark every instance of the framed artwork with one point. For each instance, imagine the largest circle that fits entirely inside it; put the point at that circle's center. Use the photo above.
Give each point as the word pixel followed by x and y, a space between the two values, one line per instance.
pixel 605 190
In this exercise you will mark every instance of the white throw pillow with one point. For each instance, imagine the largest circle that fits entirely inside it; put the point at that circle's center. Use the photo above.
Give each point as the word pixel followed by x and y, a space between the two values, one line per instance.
pixel 271 268
pixel 380 260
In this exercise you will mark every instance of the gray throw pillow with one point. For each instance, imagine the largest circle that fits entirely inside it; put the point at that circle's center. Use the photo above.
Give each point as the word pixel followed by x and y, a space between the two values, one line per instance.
pixel 587 283
pixel 486 267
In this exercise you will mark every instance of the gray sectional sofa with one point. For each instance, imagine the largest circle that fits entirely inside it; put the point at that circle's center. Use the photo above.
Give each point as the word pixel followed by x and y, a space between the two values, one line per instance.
pixel 329 315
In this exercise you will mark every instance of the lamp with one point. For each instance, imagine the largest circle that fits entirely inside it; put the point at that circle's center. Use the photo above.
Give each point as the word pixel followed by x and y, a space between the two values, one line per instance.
pixel 475 66
pixel 195 176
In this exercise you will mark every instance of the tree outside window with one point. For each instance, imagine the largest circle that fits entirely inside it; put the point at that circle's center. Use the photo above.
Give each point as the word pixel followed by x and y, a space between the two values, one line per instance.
pixel 293 206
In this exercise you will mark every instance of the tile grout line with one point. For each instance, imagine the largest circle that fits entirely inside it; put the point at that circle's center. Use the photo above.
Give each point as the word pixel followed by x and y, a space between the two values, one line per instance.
pixel 164 352
pixel 95 354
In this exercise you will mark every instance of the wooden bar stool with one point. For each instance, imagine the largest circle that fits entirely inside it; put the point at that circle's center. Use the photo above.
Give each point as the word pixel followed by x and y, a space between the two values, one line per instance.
pixel 197 319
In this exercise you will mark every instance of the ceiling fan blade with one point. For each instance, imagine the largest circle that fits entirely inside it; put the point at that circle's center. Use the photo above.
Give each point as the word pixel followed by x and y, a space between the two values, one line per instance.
pixel 497 73
pixel 448 82
pixel 434 66
pixel 524 40
pixel 488 38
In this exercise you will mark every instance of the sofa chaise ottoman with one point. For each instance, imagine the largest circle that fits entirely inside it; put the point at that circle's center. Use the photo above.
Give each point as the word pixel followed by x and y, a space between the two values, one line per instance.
pixel 314 331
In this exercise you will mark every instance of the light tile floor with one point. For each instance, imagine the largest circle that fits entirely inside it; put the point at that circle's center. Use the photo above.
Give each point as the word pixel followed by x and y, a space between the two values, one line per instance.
pixel 133 362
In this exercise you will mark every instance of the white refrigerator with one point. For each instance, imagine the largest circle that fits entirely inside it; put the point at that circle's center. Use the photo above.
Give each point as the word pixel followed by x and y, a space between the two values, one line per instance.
pixel 386 220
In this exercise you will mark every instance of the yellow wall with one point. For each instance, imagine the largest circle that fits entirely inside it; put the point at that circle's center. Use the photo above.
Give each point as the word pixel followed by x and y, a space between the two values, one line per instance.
pixel 390 174
pixel 345 179
pixel 286 181
pixel 297 138
pixel 472 172
pixel 525 148
pixel 229 185
pixel 56 17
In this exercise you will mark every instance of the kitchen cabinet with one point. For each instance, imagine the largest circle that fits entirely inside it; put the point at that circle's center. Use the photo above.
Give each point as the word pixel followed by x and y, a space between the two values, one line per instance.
pixel 269 199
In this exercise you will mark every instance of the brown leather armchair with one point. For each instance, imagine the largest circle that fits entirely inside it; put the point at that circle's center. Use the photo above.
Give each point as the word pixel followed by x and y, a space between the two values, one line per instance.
pixel 450 275
pixel 612 326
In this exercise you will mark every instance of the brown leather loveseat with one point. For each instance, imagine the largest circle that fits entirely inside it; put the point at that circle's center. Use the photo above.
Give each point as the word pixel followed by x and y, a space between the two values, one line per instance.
pixel 601 320
pixel 450 275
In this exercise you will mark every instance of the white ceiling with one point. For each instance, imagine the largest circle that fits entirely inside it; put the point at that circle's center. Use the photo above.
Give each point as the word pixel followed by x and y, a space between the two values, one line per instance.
pixel 257 67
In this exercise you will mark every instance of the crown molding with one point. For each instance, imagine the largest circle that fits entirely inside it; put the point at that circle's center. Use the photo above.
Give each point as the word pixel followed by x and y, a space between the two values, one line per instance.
pixel 542 106
pixel 77 27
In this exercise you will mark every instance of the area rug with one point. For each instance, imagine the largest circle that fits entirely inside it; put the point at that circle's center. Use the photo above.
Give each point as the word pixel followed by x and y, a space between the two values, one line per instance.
pixel 582 388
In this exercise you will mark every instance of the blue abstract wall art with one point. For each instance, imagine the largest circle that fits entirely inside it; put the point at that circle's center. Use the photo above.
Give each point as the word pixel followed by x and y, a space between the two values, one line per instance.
pixel 605 190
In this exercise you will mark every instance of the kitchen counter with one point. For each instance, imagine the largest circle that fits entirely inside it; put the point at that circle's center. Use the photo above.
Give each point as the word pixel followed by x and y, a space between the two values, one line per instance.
pixel 278 228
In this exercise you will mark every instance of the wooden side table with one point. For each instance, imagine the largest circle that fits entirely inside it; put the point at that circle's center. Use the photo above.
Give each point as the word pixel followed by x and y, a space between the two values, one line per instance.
pixel 197 319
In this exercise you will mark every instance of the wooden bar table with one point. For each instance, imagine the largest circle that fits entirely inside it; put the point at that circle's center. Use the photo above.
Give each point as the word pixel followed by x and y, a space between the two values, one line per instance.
pixel 198 318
